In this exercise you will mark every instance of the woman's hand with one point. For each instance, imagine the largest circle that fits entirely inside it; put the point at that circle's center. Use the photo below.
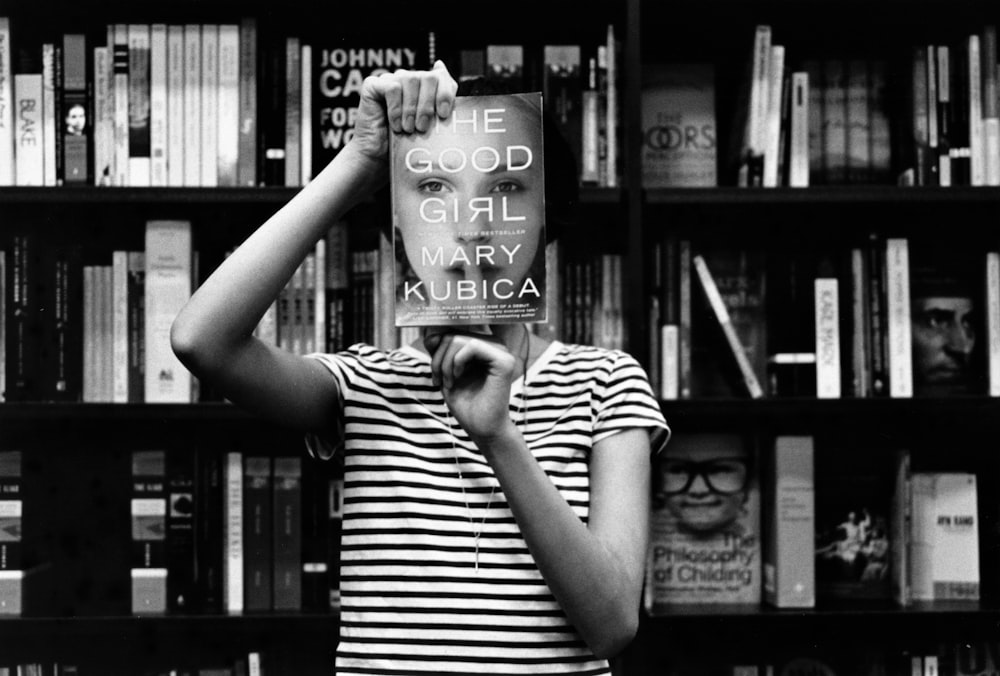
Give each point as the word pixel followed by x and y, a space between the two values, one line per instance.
pixel 475 375
pixel 401 101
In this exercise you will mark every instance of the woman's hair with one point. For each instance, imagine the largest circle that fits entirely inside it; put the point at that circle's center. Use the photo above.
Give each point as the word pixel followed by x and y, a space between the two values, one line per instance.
pixel 561 171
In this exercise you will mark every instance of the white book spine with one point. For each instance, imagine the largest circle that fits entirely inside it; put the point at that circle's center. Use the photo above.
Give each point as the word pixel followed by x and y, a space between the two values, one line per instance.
pixel 827 313
pixel 209 105
pixel 977 159
pixel 798 174
pixel 105 320
pixel 758 89
pixel 29 153
pixel 319 338
pixel 158 93
pixel 175 105
pixel 993 321
pixel 306 136
pixel 233 519
pixel 119 327
pixel 120 97
pixel 139 163
pixel 192 105
pixel 990 105
pixel 229 104
pixel 898 305
pixel 49 112
pixel 104 122
pixel 612 108
pixel 772 119
pixel 669 366
pixel 167 289
pixel 89 332
pixel 6 106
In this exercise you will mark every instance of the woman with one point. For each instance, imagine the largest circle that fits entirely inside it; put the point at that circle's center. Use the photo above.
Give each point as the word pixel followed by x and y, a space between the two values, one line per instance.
pixel 496 490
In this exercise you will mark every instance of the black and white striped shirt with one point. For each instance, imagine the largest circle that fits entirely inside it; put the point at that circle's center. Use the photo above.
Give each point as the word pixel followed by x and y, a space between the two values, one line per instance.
pixel 412 598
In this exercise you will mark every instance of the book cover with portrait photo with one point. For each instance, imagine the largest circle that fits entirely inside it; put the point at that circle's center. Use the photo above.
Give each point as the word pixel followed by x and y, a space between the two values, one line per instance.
pixel 468 212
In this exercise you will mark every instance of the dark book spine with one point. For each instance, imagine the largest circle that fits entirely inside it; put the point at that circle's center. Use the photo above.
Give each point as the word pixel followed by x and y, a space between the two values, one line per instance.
pixel 66 323
pixel 315 543
pixel 257 533
pixel 23 320
pixel 287 521
pixel 149 529
pixel 335 513
pixel 182 592
pixel 877 324
pixel 273 114
pixel 136 281
pixel 209 529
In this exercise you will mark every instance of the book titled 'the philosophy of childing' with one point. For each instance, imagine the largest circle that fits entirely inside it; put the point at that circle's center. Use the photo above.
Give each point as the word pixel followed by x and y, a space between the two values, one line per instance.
pixel 468 210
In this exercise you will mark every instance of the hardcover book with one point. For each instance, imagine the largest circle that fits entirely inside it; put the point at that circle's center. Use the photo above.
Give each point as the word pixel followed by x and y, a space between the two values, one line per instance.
pixel 705 524
pixel 339 70
pixel 789 512
pixel 468 203
pixel 149 532
pixel 678 126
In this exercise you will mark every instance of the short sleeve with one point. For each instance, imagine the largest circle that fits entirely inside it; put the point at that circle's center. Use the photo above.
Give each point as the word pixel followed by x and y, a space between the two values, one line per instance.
pixel 323 446
pixel 627 402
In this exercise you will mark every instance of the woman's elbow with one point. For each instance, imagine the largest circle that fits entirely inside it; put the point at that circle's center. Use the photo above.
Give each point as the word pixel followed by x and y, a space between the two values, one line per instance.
pixel 615 633
pixel 187 343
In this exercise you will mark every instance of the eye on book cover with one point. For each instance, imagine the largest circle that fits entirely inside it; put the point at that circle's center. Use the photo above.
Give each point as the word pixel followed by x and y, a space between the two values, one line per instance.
pixel 705 543
pixel 468 212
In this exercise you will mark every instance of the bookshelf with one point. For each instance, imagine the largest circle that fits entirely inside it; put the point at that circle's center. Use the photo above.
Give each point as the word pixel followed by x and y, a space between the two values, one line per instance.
pixel 626 219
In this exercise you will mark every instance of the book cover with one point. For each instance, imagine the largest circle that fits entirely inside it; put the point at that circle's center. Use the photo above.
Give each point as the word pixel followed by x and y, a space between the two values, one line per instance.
pixel 853 511
pixel 733 360
pixel 468 203
pixel 944 544
pixel 149 531
pixel 788 513
pixel 167 289
pixel 678 126
pixel 257 551
pixel 339 71
pixel 705 524
pixel 946 314
pixel 75 104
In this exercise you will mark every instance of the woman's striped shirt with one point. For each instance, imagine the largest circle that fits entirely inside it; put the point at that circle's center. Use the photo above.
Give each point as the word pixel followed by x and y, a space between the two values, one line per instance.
pixel 412 599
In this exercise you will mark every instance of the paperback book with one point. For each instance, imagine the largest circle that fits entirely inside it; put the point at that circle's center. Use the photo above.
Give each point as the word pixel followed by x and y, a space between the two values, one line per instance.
pixel 468 205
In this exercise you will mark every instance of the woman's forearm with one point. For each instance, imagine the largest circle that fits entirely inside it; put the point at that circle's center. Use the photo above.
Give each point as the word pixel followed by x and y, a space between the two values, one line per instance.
pixel 225 310
pixel 593 585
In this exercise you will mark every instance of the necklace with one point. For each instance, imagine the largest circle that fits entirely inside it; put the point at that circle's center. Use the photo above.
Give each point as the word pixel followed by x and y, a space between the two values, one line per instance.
pixel 477 533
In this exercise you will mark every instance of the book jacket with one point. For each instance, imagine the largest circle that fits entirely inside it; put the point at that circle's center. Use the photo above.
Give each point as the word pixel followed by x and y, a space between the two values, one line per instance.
pixel 705 524
pixel 468 215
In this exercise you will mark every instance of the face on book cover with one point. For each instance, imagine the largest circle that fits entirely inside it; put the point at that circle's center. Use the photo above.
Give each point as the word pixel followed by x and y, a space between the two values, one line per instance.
pixel 468 197
pixel 704 484
pixel 944 338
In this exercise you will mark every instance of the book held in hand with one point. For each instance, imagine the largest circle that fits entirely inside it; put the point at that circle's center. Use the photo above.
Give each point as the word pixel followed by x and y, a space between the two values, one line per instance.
pixel 468 203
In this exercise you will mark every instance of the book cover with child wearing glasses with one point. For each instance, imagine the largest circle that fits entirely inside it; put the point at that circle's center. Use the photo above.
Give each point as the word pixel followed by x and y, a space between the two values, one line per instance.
pixel 704 542
pixel 468 209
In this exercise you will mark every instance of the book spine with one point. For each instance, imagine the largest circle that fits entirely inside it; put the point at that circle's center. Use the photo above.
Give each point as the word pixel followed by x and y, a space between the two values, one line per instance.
pixel 136 326
pixel 590 100
pixel 229 104
pixel 233 553
pixel 898 313
pixel 974 96
pixel 257 549
pixel 104 118
pixel 3 325
pixel 772 117
pixel 990 106
pixel 789 570
pixel 305 114
pixel 293 112
pixel 798 175
pixel 159 94
pixel 612 108
pixel 11 511
pixel 248 127
pixel 209 175
pixel 899 573
pixel 992 296
pixel 827 322
pixel 210 532
pixel 181 557
pixel 167 288
pixel 7 135
pixel 76 130
pixel 287 522
pixel 50 85
pixel 120 96
pixel 149 511
pixel 192 105
pixel 684 376
pixel 21 316
pixel 139 159
pixel 316 542
pixel 858 122
pixel 119 329
pixel 175 105
pixel 732 339
pixel 29 151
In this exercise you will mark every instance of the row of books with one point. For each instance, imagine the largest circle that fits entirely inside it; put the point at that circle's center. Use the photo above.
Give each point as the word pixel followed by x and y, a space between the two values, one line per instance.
pixel 206 105
pixel 782 525
pixel 886 316
pixel 212 531
pixel 233 532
